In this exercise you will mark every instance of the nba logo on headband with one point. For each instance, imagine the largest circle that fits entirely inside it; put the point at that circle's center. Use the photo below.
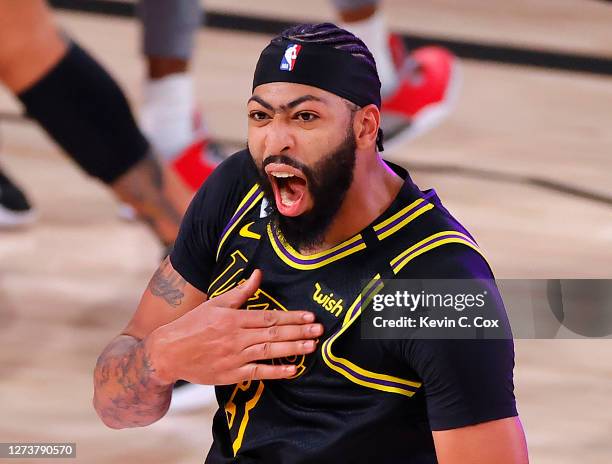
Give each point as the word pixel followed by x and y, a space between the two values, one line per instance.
pixel 288 61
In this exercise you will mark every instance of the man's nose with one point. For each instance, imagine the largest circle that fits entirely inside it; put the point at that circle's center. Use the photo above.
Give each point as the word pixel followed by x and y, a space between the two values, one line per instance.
pixel 279 139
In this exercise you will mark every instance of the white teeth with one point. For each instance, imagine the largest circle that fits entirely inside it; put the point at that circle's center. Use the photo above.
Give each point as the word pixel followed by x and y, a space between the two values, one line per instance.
pixel 285 198
pixel 282 174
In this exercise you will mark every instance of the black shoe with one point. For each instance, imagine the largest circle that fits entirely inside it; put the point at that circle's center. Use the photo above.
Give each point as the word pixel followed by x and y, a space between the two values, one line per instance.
pixel 15 210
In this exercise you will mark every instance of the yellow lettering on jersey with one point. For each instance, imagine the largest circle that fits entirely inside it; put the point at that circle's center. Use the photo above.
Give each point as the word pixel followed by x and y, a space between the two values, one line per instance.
pixel 244 398
pixel 327 301
pixel 247 394
pixel 262 301
pixel 227 279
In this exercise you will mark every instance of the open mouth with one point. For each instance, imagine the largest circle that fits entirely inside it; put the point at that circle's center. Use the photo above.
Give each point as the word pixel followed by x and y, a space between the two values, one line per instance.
pixel 290 189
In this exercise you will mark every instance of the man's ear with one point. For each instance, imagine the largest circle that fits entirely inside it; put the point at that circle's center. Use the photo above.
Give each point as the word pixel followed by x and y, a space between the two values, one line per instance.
pixel 365 125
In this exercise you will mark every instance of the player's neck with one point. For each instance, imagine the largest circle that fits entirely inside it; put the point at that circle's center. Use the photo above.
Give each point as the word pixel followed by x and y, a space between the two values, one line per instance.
pixel 374 188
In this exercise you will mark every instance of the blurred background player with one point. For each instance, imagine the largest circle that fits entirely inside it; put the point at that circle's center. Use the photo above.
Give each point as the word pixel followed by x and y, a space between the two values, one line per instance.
pixel 169 115
pixel 418 89
pixel 81 107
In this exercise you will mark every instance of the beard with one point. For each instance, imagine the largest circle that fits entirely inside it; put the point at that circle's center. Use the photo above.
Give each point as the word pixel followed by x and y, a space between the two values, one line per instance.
pixel 327 181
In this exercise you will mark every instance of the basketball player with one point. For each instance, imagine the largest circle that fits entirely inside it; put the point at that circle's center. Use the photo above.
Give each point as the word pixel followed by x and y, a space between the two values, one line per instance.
pixel 81 107
pixel 310 208
pixel 418 90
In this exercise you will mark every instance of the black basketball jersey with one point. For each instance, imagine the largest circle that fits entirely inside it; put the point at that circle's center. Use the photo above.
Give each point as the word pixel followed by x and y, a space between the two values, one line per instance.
pixel 353 400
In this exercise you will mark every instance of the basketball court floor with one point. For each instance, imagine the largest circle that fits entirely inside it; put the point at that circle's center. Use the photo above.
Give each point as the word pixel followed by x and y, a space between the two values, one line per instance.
pixel 524 161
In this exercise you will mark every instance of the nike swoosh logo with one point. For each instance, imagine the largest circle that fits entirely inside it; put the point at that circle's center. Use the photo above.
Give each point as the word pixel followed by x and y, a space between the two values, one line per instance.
pixel 246 233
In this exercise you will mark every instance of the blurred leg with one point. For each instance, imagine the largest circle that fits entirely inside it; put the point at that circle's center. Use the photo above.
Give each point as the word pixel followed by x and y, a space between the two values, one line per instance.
pixel 75 100
pixel 364 19
pixel 169 114
pixel 29 43
pixel 168 30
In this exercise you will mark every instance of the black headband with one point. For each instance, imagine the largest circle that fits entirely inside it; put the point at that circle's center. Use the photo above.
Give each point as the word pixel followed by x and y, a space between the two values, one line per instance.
pixel 322 66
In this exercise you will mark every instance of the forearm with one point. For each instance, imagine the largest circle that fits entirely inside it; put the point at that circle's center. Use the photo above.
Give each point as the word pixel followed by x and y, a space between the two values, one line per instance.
pixel 127 392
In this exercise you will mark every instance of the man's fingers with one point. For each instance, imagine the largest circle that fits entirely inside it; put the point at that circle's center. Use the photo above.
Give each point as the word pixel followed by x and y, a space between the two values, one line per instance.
pixel 280 333
pixel 237 296
pixel 254 371
pixel 255 319
pixel 271 350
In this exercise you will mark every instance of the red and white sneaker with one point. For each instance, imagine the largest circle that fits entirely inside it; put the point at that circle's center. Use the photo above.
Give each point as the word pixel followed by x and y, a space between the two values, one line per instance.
pixel 429 81
pixel 198 160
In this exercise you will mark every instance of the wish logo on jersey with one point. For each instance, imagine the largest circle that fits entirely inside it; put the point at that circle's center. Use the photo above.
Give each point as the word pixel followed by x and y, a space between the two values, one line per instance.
pixel 291 54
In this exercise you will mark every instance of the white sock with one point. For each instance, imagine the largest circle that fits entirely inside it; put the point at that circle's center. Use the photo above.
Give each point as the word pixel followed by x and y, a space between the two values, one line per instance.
pixel 373 31
pixel 166 116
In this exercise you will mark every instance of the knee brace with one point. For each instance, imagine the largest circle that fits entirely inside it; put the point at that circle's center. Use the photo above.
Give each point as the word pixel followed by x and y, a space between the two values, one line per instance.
pixel 83 109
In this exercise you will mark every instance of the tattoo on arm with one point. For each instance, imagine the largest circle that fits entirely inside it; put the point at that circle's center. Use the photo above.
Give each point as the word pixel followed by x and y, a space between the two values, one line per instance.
pixel 127 395
pixel 168 284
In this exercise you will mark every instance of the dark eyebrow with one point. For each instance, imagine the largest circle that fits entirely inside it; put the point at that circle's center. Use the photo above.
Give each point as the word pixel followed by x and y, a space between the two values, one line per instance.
pixel 305 98
pixel 292 104
pixel 261 101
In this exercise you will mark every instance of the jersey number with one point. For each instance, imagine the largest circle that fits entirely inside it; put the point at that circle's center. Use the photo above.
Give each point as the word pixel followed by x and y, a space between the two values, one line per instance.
pixel 244 398
pixel 247 394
